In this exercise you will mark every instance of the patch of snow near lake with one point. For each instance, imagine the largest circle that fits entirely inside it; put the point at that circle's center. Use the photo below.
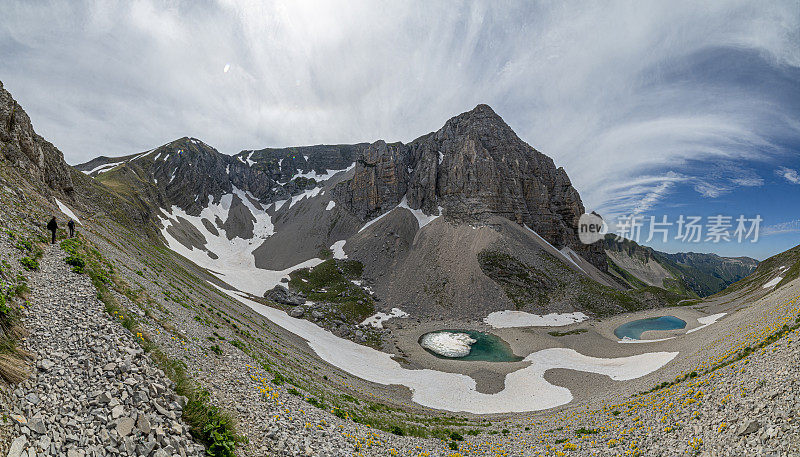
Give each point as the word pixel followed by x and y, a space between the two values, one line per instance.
pixel 338 249
pixel 628 339
pixel 706 321
pixel 68 212
pixel 448 344
pixel 422 218
pixel 773 282
pixel 324 176
pixel 377 319
pixel 235 263
pixel 511 319
pixel 330 206
pixel 248 161
pixel 441 158
pixel 525 389
pixel 308 193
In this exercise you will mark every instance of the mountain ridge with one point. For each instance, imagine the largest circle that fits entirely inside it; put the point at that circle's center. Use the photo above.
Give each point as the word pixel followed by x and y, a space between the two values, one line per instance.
pixel 699 273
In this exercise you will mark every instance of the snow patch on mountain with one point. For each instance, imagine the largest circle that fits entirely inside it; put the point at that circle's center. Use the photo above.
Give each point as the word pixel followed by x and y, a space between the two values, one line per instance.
pixel 422 218
pixel 565 254
pixel 374 220
pixel 102 168
pixel 571 255
pixel 230 260
pixel 319 177
pixel 338 249
pixel 305 194
pixel 377 319
pixel 511 319
pixel 68 212
pixel 705 321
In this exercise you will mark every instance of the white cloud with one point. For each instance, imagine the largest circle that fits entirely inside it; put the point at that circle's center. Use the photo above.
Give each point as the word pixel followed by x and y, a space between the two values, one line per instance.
pixel 747 181
pixel 782 227
pixel 627 97
pixel 788 174
pixel 723 177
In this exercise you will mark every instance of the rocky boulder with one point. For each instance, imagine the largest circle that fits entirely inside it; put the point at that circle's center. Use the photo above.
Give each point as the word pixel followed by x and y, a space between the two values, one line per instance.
pixel 280 294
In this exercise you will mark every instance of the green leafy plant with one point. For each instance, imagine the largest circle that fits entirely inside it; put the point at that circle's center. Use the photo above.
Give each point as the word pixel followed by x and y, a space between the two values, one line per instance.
pixel 221 441
pixel 76 262
pixel 29 263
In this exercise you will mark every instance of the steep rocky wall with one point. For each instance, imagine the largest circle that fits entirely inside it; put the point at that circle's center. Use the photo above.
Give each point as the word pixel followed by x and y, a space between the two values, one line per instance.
pixel 20 147
pixel 380 179
pixel 474 167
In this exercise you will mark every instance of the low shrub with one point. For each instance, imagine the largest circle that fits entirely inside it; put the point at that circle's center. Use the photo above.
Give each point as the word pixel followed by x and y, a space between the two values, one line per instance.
pixel 29 263
pixel 76 262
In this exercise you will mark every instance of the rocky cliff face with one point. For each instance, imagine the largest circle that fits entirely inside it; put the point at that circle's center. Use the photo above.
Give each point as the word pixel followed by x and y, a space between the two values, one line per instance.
pixel 474 167
pixel 381 179
pixel 190 171
pixel 24 150
pixel 187 171
pixel 282 164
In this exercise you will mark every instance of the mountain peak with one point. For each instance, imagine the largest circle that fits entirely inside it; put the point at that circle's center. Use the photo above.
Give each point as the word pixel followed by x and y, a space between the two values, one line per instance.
pixel 482 120
pixel 481 112
pixel 484 109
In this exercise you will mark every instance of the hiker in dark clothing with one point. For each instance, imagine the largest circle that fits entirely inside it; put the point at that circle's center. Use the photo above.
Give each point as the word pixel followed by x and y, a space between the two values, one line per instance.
pixel 53 227
pixel 71 225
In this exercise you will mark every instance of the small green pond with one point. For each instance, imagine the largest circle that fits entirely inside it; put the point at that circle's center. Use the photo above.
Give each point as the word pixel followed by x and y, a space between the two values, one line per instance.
pixel 468 345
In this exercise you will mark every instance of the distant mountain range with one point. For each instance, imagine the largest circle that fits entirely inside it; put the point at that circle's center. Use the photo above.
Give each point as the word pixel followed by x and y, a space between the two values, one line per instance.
pixel 686 273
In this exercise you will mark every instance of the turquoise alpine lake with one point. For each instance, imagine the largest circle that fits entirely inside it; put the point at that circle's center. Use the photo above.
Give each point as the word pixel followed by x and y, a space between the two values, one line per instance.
pixel 634 329
pixel 481 346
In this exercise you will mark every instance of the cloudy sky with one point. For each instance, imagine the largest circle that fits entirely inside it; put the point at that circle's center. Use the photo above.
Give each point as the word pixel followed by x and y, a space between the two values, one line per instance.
pixel 653 108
